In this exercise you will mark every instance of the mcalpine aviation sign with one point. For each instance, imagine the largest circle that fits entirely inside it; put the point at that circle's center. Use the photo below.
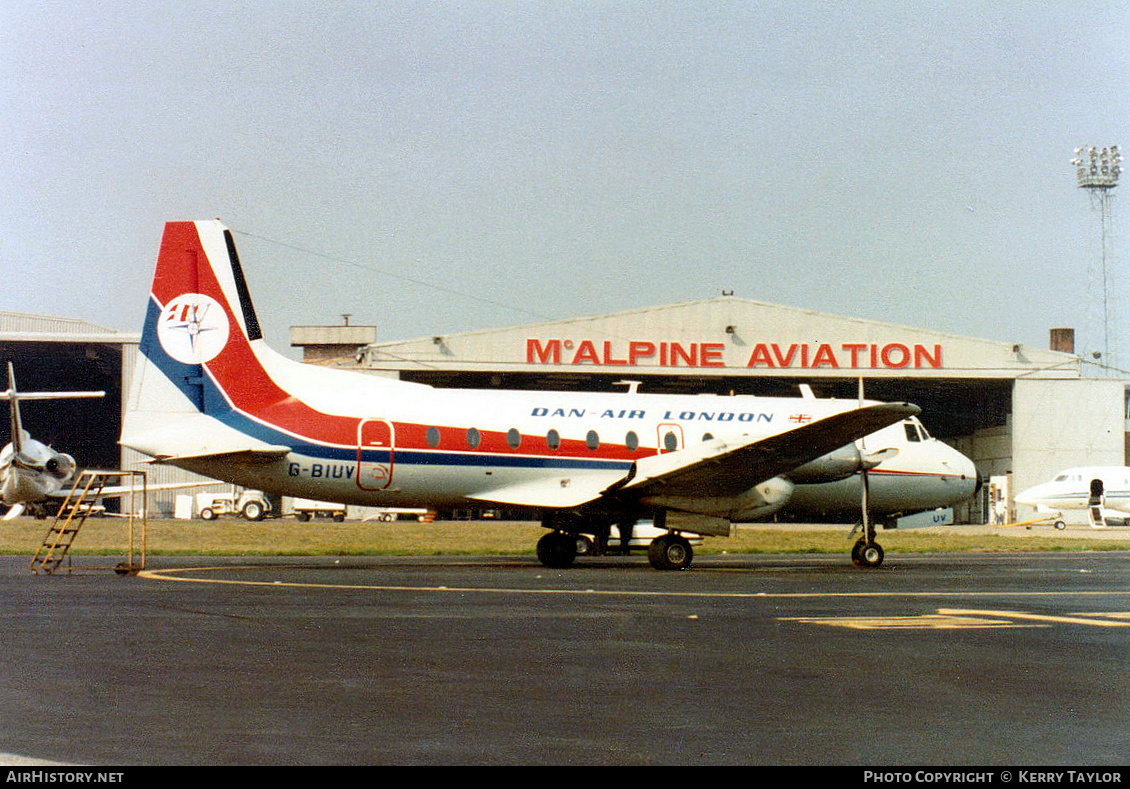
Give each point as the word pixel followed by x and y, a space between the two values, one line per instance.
pixel 766 355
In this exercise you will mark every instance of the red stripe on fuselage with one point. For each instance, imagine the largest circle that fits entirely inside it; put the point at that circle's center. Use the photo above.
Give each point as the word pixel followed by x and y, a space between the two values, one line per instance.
pixel 184 267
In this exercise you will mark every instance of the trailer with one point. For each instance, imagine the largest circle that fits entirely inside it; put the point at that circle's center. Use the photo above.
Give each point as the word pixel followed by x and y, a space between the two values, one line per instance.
pixel 305 509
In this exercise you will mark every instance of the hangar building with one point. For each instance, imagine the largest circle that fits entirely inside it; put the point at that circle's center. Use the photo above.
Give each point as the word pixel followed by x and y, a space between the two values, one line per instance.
pixel 1020 412
pixel 51 353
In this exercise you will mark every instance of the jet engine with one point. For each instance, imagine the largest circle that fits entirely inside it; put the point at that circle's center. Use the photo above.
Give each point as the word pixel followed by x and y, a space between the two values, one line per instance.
pixel 60 465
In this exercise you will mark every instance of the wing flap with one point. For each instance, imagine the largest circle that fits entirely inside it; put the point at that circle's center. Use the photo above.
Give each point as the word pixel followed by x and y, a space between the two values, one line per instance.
pixel 557 493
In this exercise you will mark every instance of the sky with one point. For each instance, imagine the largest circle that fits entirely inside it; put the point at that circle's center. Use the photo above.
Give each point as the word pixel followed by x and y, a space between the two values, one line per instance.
pixel 438 167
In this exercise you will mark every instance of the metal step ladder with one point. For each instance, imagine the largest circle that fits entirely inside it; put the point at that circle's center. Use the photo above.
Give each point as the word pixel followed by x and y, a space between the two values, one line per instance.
pixel 79 504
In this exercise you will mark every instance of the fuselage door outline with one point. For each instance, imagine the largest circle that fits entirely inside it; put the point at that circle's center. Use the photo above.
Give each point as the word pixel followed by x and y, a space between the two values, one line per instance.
pixel 375 440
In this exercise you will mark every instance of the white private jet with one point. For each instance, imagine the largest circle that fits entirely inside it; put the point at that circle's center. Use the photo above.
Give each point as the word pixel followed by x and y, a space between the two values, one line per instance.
pixel 30 471
pixel 1103 491
pixel 32 474
pixel 210 396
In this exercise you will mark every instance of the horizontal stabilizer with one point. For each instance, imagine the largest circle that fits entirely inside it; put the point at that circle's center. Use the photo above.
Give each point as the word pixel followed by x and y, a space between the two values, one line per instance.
pixel 10 395
pixel 237 457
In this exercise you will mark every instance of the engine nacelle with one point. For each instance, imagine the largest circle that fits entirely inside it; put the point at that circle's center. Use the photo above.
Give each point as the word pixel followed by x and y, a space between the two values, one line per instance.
pixel 839 464
pixel 758 502
pixel 836 465
pixel 61 465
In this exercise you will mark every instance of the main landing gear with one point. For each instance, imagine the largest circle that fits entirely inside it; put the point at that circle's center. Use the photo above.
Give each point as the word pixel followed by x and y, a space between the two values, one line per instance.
pixel 669 551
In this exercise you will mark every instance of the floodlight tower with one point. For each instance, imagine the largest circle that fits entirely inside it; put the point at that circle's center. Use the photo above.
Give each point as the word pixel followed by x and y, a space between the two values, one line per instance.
pixel 1097 171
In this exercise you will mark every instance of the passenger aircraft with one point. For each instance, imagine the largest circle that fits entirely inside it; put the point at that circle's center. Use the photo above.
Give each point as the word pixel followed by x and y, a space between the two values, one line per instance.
pixel 210 396
pixel 1103 491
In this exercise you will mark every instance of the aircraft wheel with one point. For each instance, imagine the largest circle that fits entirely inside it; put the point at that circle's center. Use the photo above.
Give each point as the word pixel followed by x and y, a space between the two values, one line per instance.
pixel 865 554
pixel 557 550
pixel 670 552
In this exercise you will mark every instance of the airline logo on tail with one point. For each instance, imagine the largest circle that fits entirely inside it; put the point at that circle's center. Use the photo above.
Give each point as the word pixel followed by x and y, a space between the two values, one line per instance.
pixel 193 328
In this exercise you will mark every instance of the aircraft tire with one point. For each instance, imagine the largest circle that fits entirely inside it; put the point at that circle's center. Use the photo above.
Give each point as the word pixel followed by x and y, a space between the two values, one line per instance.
pixel 670 552
pixel 557 550
pixel 864 554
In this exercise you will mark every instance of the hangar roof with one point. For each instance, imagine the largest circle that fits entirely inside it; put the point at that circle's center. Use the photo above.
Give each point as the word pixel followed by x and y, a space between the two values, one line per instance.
pixel 724 336
pixel 27 327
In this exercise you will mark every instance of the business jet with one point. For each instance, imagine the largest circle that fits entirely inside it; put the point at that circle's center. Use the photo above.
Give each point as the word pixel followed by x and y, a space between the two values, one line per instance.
pixel 33 475
pixel 210 396
pixel 1103 491
pixel 30 471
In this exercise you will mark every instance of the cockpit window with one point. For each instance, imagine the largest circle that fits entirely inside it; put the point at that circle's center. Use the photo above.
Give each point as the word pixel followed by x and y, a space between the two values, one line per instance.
pixel 911 432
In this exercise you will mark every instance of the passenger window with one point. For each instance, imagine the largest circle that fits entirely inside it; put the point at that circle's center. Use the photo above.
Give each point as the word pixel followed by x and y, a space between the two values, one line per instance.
pixel 432 437
pixel 473 438
pixel 592 440
pixel 632 441
pixel 671 442
pixel 513 438
pixel 707 437
pixel 553 439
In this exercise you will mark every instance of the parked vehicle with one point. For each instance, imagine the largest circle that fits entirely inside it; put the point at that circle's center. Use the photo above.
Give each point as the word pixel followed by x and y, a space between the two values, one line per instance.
pixel 251 504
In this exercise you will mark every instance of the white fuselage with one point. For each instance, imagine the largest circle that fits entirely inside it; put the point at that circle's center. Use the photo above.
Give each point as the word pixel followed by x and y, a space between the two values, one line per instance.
pixel 1071 489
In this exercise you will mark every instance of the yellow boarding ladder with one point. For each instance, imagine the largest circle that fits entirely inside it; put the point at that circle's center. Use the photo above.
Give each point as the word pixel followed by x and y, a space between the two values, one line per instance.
pixel 76 508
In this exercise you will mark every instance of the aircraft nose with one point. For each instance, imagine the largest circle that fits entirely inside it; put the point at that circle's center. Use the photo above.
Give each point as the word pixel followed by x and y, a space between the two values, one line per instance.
pixel 968 473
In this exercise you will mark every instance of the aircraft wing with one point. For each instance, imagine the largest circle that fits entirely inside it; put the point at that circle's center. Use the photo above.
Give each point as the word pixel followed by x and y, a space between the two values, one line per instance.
pixel 712 469
pixel 114 491
pixel 720 469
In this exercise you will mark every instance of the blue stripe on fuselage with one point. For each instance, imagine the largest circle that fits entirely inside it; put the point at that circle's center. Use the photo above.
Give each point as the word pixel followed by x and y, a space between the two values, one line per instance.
pixel 197 386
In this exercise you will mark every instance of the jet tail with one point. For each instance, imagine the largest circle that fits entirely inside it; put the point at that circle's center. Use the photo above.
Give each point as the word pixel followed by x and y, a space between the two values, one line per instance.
pixel 13 396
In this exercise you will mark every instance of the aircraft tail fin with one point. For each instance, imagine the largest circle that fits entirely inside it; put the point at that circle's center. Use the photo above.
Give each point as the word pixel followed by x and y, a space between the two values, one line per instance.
pixel 13 396
pixel 196 345
pixel 204 382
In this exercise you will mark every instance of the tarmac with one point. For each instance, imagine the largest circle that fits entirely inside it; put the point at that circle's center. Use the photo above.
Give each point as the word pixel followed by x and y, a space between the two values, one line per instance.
pixel 978 659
